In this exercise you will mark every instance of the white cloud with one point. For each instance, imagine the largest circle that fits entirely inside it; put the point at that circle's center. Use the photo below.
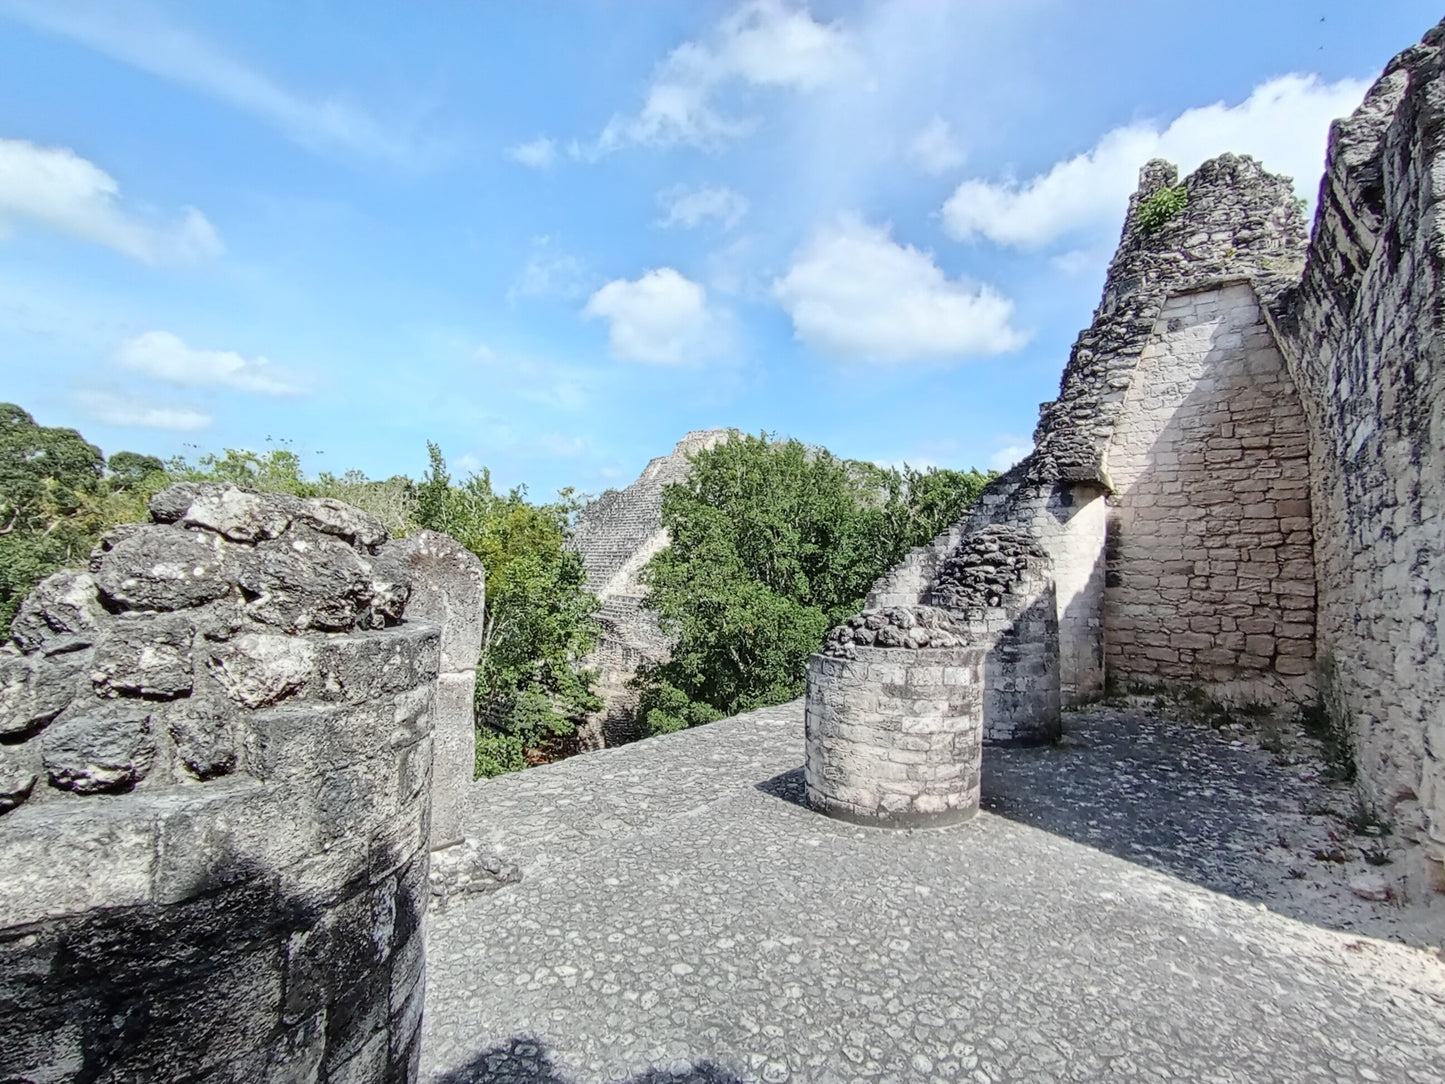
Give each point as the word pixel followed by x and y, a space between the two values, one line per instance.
pixel 137 35
pixel 854 292
pixel 540 153
pixel 57 188
pixel 563 445
pixel 164 356
pixel 762 43
pixel 1284 123
pixel 1010 453
pixel 132 413
pixel 553 384
pixel 935 149
pixel 549 272
pixel 661 318
pixel 691 207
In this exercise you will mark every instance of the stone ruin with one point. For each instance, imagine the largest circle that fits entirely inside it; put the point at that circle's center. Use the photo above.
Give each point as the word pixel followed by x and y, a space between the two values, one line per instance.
pixel 901 699
pixel 615 536
pixel 1238 488
pixel 217 794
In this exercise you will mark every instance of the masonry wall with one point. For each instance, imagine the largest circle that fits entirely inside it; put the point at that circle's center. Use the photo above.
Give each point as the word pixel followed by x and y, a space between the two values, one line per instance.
pixel 1366 340
pixel 1210 559
pixel 215 784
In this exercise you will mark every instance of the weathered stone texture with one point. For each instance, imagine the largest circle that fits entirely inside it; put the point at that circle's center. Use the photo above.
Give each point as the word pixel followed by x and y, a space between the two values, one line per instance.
pixel 214 802
pixel 1365 340
pixel 615 536
pixel 1210 555
pixel 894 735
pixel 1271 450
pixel 449 588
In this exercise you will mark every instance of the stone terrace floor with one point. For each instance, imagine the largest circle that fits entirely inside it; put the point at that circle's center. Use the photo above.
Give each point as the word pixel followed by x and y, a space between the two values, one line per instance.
pixel 681 917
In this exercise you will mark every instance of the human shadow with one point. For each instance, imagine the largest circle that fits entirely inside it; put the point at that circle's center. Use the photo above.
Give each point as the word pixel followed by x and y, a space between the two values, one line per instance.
pixel 524 1059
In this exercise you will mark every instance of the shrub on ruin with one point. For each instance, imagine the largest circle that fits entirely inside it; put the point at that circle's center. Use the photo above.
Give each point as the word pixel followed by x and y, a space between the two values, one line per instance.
pixel 1160 208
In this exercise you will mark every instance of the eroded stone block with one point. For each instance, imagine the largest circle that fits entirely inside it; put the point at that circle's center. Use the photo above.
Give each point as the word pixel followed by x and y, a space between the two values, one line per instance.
pixel 105 749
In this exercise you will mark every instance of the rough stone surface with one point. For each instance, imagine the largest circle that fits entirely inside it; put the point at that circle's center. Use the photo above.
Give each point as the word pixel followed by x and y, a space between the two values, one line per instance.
pixel 615 536
pixel 102 750
pixel 450 591
pixel 1239 483
pixel 164 569
pixel 1363 338
pixel 215 789
pixel 62 611
pixel 144 657
pixel 681 917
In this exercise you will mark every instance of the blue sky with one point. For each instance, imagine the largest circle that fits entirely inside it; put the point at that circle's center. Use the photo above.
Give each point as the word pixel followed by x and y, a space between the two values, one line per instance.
pixel 553 237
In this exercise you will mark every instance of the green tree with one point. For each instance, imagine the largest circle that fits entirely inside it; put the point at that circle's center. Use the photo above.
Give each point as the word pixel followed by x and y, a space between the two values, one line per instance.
pixel 531 685
pixel 50 503
pixel 772 543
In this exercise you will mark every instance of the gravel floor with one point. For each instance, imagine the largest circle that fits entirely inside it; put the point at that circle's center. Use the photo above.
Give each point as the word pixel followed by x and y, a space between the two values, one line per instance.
pixel 1121 911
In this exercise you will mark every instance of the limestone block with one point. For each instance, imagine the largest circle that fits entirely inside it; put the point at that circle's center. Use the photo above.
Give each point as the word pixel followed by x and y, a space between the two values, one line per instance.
pixel 455 757
pixel 203 738
pixel 64 606
pixel 260 669
pixel 104 749
pixel 20 767
pixel 53 851
pixel 334 517
pixel 35 690
pixel 149 657
pixel 449 591
pixel 301 583
pixel 237 514
pixel 159 568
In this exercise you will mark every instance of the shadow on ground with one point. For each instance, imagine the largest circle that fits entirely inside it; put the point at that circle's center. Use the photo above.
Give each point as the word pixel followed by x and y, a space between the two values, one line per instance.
pixel 1171 796
pixel 1175 797
pixel 525 1060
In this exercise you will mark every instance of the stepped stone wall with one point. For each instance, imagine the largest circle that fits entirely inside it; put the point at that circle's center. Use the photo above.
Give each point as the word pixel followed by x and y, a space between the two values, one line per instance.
pixel 1365 338
pixel 216 753
pixel 616 535
pixel 1239 484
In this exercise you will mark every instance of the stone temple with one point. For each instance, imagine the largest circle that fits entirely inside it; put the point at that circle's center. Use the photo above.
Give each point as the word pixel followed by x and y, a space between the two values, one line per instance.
pixel 239 841
pixel 1238 488
pixel 615 536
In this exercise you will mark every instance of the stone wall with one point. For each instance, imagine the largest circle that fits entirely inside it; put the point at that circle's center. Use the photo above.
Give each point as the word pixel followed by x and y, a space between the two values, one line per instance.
pixel 999 585
pixel 1366 344
pixel 216 753
pixel 615 536
pixel 1210 558
pixel 449 590
pixel 894 733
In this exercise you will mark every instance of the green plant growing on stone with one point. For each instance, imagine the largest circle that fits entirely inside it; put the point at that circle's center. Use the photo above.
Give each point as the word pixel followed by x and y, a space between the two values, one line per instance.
pixel 1160 208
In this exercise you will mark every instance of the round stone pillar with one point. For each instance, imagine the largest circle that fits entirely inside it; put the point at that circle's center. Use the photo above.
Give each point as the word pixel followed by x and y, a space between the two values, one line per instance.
pixel 894 721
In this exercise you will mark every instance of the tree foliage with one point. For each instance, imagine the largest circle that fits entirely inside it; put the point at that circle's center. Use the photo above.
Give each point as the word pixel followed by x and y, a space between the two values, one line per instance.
pixel 51 490
pixel 772 543
pixel 531 686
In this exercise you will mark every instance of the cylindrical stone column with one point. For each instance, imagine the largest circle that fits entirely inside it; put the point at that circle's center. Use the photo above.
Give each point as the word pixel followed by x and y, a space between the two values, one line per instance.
pixel 894 733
